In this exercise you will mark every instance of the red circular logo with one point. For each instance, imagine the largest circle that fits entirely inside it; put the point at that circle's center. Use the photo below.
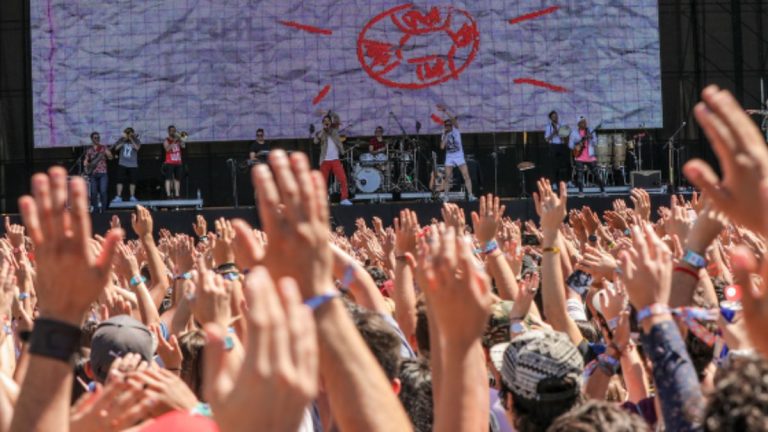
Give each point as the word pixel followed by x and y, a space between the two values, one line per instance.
pixel 407 48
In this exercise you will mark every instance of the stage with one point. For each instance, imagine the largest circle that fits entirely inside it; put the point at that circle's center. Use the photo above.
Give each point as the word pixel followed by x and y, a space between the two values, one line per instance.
pixel 181 220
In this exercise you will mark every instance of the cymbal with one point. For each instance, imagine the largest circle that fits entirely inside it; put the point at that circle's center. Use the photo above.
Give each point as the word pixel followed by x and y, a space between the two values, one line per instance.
pixel 357 143
pixel 525 166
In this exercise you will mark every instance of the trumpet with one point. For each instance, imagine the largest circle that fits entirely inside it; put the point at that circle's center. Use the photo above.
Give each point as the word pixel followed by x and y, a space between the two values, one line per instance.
pixel 181 136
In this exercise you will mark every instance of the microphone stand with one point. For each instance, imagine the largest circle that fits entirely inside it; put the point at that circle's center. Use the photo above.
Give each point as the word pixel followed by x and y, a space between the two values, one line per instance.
pixel 233 171
pixel 670 146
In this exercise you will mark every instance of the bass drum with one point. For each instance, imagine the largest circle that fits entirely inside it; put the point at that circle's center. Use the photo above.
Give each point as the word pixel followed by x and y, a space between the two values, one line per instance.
pixel 368 180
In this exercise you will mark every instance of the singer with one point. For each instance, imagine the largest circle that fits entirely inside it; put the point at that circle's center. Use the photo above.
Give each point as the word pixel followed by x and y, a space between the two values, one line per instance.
pixel 454 155
pixel 331 149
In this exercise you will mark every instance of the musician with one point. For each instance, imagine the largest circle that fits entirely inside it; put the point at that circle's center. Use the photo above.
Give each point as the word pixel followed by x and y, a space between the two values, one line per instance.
pixel 127 147
pixel 454 154
pixel 560 162
pixel 96 168
pixel 172 166
pixel 378 144
pixel 258 147
pixel 583 142
pixel 331 149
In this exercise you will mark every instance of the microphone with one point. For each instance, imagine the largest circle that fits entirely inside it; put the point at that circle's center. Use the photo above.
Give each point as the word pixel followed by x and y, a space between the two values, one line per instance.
pixel 684 124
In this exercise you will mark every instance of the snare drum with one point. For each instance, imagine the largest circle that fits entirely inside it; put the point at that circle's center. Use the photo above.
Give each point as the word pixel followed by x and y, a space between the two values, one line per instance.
pixel 380 158
pixel 368 159
pixel 604 150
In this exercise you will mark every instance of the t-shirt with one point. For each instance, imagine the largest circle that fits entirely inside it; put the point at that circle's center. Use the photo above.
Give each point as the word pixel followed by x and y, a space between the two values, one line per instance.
pixel 129 156
pixel 331 151
pixel 377 145
pixel 94 152
pixel 453 142
pixel 173 154
pixel 256 147
pixel 584 156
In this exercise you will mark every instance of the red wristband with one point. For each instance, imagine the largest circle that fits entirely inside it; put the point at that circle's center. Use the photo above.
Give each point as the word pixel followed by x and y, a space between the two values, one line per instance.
pixel 687 271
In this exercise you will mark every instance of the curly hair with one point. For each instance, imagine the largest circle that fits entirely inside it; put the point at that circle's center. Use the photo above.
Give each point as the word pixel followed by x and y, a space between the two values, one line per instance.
pixel 740 399
pixel 595 415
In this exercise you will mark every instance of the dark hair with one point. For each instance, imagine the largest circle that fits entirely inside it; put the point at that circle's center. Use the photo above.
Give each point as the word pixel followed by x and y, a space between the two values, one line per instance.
pixel 93 133
pixel 416 393
pixel 701 354
pixel 171 126
pixel 380 337
pixel 379 127
pixel 595 415
pixel 378 275
pixel 259 130
pixel 588 331
pixel 422 329
pixel 740 399
pixel 87 330
pixel 534 416
pixel 550 114
pixel 192 345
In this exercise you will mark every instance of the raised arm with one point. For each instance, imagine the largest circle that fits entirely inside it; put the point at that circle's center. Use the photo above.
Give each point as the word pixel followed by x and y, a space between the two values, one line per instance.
pixel 552 210
pixel 142 225
pixel 486 224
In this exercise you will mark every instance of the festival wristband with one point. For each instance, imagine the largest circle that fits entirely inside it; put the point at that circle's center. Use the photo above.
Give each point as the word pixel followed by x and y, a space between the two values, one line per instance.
pixel 554 250
pixel 488 248
pixel 55 340
pixel 184 276
pixel 651 310
pixel 315 302
pixel 349 276
pixel 694 260
pixel 137 280
pixel 687 271
pixel 231 276
pixel 23 296
pixel 203 238
pixel 613 323
pixel 608 364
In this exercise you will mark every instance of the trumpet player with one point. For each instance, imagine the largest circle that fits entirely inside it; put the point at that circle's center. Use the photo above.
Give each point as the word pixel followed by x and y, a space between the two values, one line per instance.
pixel 172 166
pixel 127 149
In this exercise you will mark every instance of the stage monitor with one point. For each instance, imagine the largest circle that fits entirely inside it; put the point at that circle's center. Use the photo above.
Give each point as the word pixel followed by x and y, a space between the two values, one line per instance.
pixel 221 69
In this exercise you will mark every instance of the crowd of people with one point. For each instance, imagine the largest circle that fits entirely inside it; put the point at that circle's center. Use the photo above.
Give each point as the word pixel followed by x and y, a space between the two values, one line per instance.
pixel 621 321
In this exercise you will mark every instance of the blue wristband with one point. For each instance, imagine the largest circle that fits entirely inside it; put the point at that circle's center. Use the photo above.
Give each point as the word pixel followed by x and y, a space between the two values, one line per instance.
pixel 137 280
pixel 23 296
pixel 650 310
pixel 694 260
pixel 184 276
pixel 231 276
pixel 317 301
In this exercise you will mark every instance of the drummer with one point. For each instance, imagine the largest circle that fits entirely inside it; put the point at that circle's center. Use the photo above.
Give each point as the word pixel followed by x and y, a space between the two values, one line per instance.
pixel 378 144
pixel 560 161
pixel 259 148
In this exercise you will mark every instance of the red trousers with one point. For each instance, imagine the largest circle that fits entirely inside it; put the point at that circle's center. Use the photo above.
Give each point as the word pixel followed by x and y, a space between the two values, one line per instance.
pixel 338 171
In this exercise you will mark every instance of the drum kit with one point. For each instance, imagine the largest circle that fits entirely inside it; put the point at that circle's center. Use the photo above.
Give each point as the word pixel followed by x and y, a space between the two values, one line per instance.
pixel 611 152
pixel 392 170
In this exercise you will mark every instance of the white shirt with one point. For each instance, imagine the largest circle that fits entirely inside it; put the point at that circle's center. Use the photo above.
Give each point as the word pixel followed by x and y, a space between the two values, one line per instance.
pixel 453 141
pixel 549 130
pixel 331 151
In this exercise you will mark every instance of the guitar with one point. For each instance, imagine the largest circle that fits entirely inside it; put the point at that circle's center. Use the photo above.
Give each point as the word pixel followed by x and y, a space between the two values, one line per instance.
pixel 577 149
pixel 91 165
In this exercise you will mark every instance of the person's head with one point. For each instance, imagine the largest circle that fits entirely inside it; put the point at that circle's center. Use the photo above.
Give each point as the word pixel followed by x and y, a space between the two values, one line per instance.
pixel 95 138
pixel 192 345
pixel 116 337
pixel 327 121
pixel 260 135
pixel 379 132
pixel 448 125
pixel 582 122
pixel 171 130
pixel 588 330
pixel 553 116
pixel 740 399
pixel 598 416
pixel 381 340
pixel 421 335
pixel 416 392
pixel 541 378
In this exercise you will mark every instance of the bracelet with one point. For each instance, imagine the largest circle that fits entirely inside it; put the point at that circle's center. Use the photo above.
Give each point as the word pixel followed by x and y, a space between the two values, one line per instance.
pixel 231 276
pixel 315 302
pixel 554 250
pixel 203 238
pixel 608 364
pixel 184 276
pixel 651 310
pixel 349 276
pixel 628 232
pixel 173 369
pixel 488 248
pixel 694 259
pixel 402 258
pixel 613 323
pixel 137 280
pixel 687 271
pixel 23 296
pixel 225 268
pixel 611 246
pixel 55 340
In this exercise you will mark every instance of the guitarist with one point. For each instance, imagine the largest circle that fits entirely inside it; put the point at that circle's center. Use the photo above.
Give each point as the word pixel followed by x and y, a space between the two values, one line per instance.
pixel 96 168
pixel 560 163
pixel 582 142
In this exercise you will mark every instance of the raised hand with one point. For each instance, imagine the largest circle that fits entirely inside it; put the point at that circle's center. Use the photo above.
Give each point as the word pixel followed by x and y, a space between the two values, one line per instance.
pixel 14 232
pixel 646 268
pixel 453 216
pixel 69 277
pixel 200 226
pixel 679 222
pixel 742 193
pixel 642 203
pixel 488 221
pixel 114 222
pixel 406 232
pixel 222 243
pixel 210 301
pixel 298 235
pixel 248 245
pixel 279 374
pixel 598 263
pixel 168 350
pixel 551 208
pixel 114 407
pixel 142 222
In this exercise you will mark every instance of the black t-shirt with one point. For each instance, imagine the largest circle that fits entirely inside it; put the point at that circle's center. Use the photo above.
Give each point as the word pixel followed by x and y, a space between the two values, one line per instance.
pixel 256 147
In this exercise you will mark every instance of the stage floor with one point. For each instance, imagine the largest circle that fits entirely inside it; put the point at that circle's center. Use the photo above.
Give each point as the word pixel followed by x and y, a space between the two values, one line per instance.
pixel 181 220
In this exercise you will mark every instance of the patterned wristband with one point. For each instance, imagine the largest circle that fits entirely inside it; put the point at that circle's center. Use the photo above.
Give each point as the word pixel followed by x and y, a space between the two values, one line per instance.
pixel 651 310
pixel 317 301
pixel 137 280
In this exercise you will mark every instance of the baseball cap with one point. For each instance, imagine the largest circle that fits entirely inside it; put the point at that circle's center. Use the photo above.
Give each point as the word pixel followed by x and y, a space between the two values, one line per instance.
pixel 542 365
pixel 116 337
